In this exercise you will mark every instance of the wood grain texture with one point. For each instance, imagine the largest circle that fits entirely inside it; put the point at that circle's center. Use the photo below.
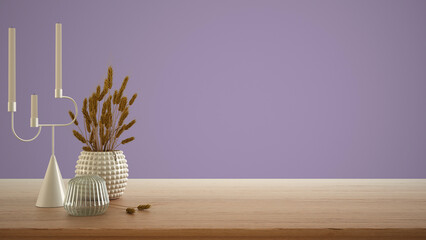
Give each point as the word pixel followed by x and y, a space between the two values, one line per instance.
pixel 230 209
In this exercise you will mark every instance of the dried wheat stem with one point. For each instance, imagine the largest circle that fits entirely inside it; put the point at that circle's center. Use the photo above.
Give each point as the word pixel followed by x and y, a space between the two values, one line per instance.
pixel 104 114
pixel 133 98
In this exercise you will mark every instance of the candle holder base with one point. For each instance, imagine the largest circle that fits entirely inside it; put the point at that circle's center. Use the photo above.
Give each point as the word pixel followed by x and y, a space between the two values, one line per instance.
pixel 52 192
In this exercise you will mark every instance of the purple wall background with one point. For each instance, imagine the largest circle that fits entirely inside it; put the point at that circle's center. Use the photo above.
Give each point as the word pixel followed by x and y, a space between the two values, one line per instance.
pixel 231 89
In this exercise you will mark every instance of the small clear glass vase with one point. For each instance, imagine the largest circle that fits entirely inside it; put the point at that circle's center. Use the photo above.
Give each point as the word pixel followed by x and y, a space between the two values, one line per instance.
pixel 86 196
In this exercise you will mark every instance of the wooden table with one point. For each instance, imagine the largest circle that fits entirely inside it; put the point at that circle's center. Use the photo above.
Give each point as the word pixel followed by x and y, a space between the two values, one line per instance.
pixel 231 209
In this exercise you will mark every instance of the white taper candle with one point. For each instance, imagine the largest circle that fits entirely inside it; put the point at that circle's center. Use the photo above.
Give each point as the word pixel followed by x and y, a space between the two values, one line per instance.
pixel 58 61
pixel 12 71
pixel 34 106
pixel 34 111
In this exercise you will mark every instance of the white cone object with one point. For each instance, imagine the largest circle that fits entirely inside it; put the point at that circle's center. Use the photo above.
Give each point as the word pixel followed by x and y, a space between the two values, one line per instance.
pixel 52 192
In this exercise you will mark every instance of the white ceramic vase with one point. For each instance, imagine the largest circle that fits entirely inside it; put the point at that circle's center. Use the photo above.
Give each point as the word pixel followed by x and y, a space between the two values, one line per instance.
pixel 111 166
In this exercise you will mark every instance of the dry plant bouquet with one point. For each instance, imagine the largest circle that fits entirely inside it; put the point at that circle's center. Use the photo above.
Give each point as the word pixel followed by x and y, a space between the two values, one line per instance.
pixel 104 116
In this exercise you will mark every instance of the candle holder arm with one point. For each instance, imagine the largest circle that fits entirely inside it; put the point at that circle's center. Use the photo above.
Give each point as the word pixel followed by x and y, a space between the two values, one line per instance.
pixel 64 124
pixel 24 140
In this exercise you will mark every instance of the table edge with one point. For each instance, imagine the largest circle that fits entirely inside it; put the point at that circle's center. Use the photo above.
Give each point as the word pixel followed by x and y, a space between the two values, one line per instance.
pixel 321 233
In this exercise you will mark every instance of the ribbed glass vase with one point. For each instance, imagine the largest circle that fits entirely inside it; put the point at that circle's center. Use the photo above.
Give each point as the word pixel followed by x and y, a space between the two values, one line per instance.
pixel 86 196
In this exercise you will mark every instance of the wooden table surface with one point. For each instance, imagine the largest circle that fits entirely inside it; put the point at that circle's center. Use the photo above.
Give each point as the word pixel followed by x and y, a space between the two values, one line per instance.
pixel 231 209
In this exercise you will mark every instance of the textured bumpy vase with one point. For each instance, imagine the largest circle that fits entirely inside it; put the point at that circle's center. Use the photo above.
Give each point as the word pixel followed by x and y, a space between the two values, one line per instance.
pixel 111 166
pixel 86 196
